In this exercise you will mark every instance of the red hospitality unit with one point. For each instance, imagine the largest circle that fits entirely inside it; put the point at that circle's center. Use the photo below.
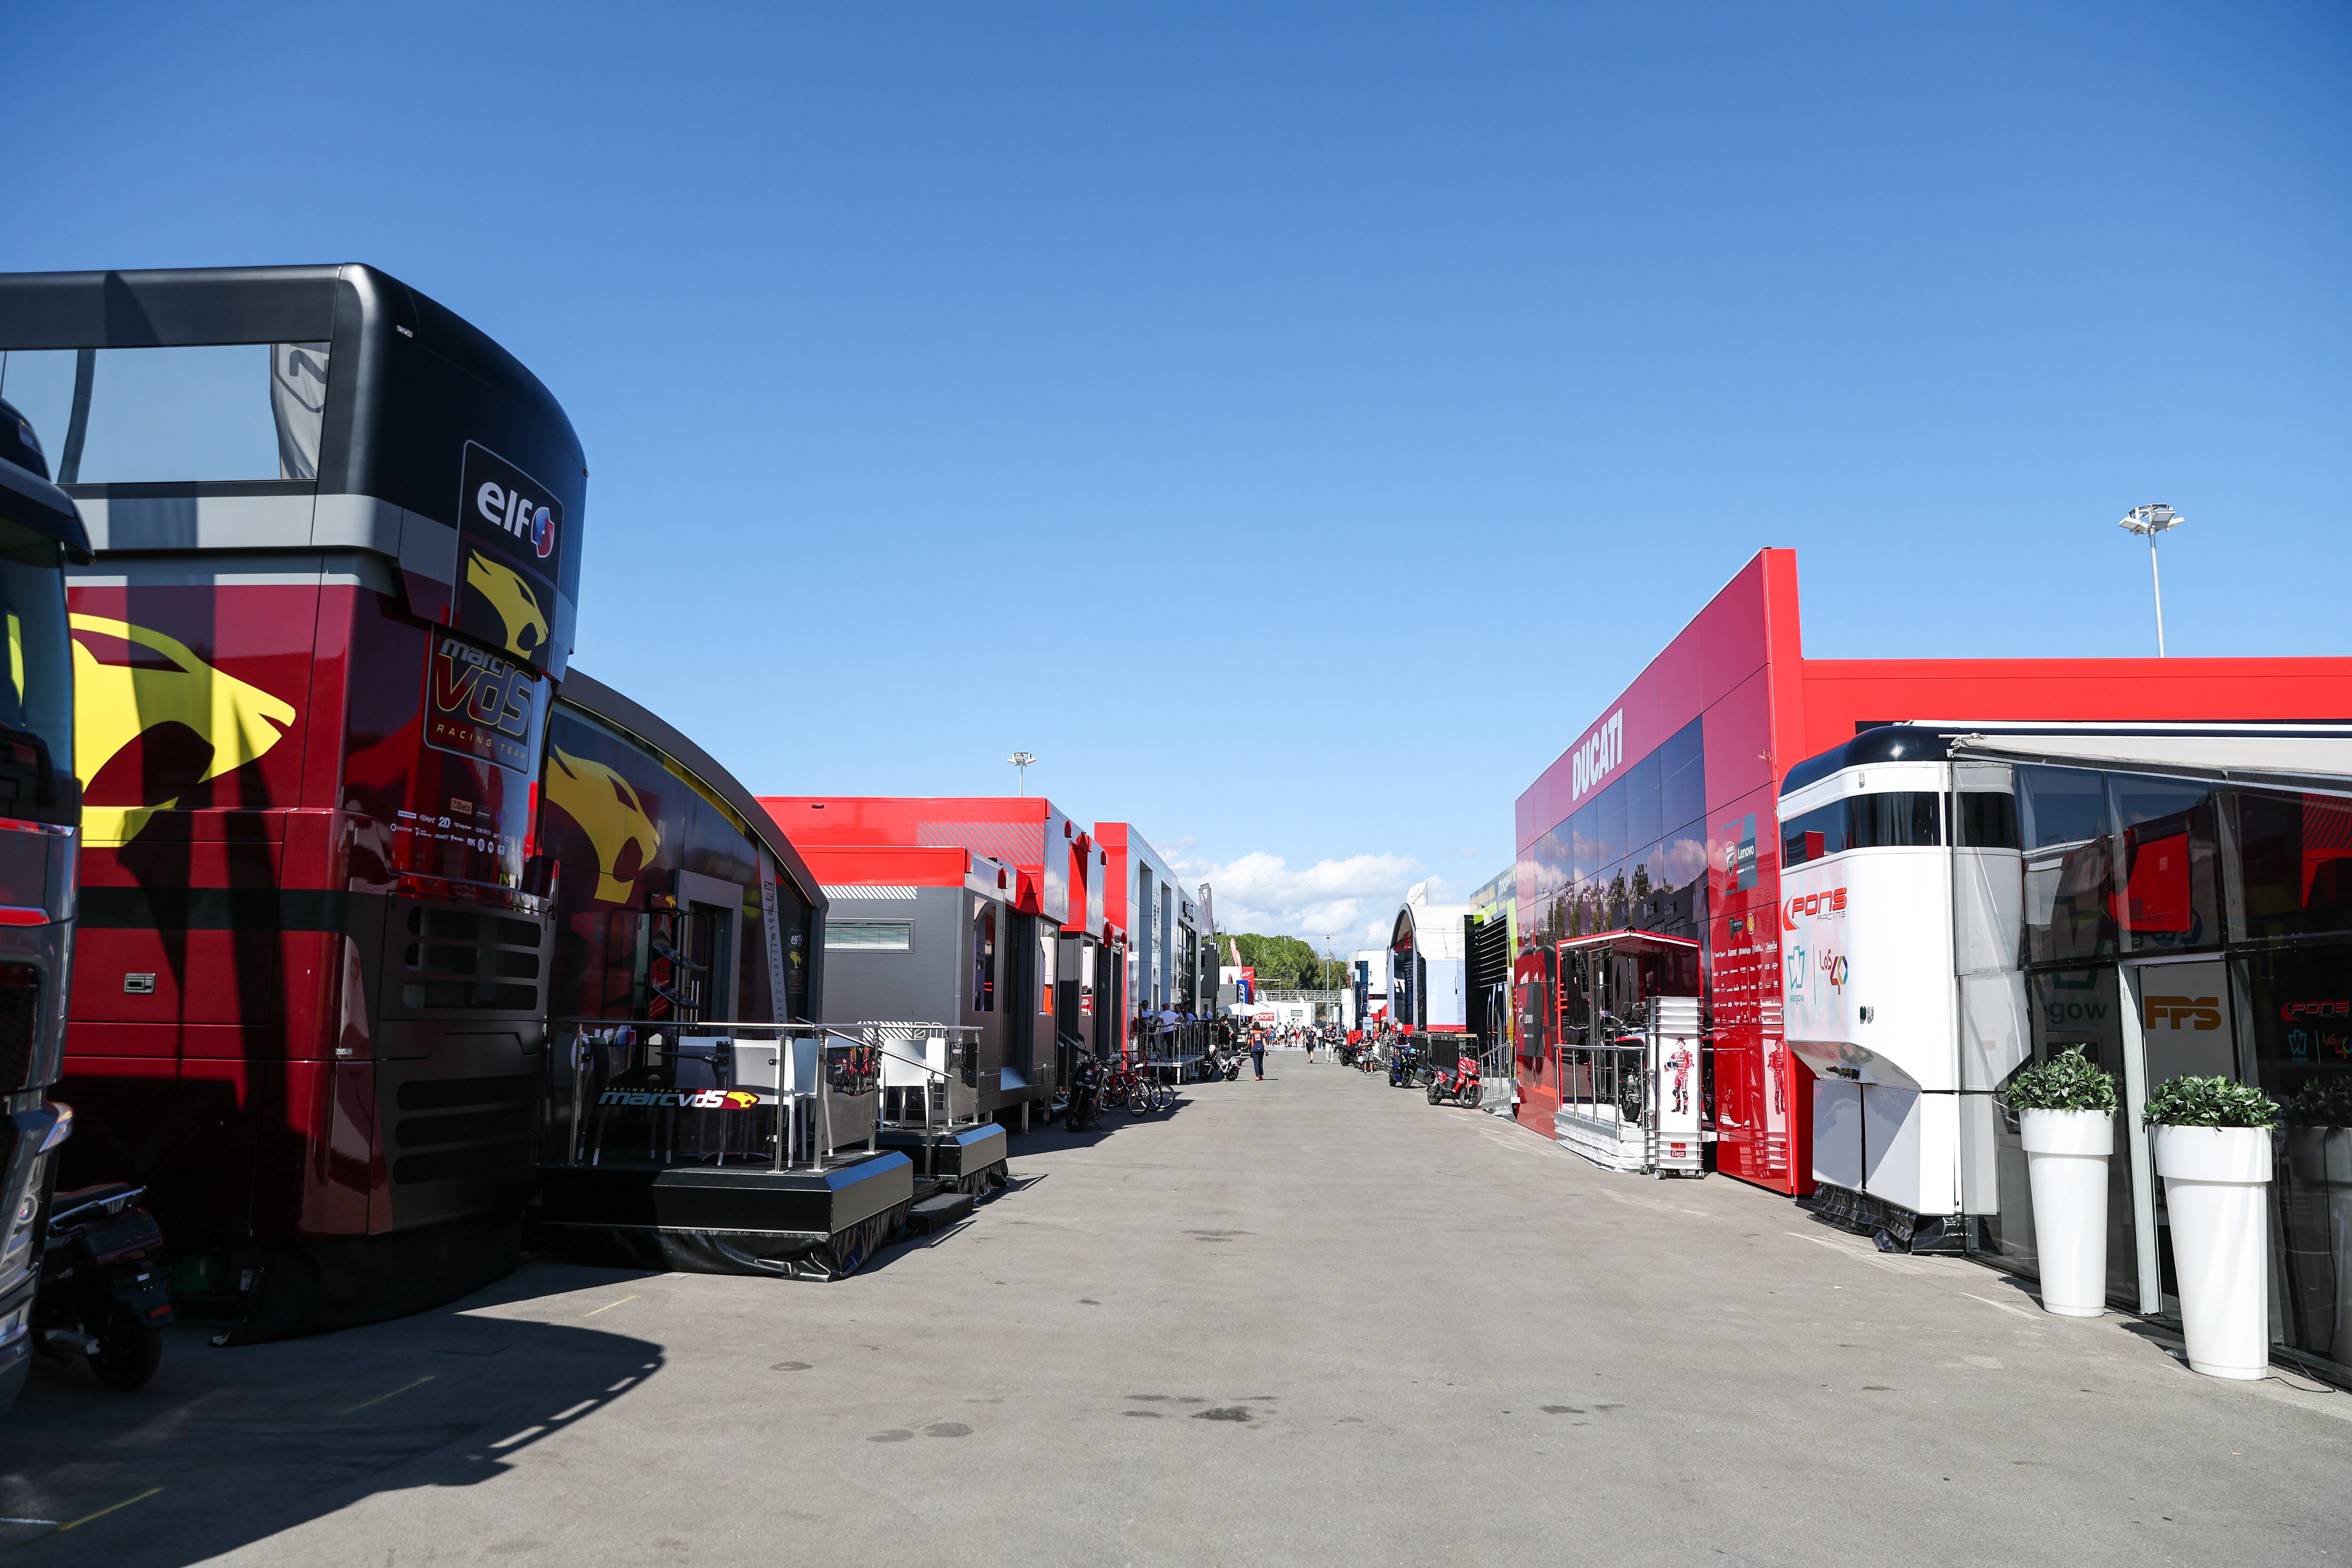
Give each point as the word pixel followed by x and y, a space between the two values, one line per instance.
pixel 1001 964
pixel 1661 817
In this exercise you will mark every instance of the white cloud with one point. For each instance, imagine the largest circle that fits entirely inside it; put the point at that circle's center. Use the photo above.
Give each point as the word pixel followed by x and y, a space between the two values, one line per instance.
pixel 1351 900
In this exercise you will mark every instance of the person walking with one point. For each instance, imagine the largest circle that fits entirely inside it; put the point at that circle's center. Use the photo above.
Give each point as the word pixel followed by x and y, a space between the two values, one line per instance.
pixel 1257 1054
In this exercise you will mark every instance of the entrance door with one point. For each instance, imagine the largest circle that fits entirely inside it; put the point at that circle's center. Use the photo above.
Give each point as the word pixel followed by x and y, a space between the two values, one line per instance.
pixel 715 907
pixel 2178 1021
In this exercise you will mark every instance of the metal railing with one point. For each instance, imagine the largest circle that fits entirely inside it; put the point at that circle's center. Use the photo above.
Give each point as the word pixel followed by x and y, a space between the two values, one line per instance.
pixel 823 1087
pixel 1167 1053
pixel 1605 1082
pixel 937 1063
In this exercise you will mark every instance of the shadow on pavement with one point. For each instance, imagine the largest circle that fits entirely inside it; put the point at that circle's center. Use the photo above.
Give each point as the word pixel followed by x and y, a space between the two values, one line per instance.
pixel 227 1446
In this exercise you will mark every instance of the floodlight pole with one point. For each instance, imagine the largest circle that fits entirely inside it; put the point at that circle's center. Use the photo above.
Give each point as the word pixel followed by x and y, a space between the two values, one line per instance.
pixel 1020 761
pixel 2149 521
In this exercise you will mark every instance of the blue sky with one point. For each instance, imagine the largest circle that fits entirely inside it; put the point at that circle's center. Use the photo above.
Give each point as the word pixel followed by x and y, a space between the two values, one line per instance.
pixel 1293 423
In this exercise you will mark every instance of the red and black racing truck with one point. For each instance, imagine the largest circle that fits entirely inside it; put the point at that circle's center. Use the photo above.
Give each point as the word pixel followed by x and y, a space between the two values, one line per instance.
pixel 41 807
pixel 338 535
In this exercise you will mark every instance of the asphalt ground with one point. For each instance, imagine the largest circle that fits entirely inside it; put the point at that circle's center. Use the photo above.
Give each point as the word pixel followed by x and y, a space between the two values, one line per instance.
pixel 1308 1320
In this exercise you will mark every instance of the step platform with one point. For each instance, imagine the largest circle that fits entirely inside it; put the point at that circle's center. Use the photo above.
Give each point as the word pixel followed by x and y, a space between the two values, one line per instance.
pixel 938 1212
pixel 727 1220
pixel 972 1157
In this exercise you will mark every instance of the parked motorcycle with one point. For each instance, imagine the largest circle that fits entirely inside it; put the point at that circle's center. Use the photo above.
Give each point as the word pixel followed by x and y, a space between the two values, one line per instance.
pixel 102 1293
pixel 1409 1068
pixel 1085 1104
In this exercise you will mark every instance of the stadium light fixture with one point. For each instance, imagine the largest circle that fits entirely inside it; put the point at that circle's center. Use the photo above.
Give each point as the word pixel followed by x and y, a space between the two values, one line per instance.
pixel 2150 521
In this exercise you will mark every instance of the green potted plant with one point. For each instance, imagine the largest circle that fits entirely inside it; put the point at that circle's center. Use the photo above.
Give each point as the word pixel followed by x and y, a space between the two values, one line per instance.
pixel 2213 1151
pixel 2067 1114
pixel 2318 1120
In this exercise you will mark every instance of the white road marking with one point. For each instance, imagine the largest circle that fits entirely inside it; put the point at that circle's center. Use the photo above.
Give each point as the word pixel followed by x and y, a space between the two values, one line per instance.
pixel 1876 1258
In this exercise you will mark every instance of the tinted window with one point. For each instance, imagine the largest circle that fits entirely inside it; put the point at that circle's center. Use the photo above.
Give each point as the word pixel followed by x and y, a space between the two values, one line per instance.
pixel 1682 782
pixel 1818 832
pixel 1549 864
pixel 2301 1013
pixel 2168 864
pixel 37 697
pixel 1987 820
pixel 2294 865
pixel 983 957
pixel 1584 834
pixel 1686 856
pixel 1643 825
pixel 2059 805
pixel 1617 895
pixel 2069 863
pixel 235 411
pixel 1608 828
pixel 1905 819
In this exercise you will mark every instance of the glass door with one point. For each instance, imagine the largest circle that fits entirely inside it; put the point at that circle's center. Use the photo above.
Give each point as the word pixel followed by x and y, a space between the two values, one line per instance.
pixel 2178 1021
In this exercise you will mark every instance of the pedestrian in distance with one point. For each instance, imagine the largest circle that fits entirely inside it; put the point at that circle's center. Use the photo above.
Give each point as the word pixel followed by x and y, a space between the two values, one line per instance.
pixel 1257 1055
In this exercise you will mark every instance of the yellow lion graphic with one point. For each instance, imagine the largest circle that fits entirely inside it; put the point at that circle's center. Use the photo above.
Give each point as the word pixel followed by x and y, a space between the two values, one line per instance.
pixel 611 813
pixel 114 704
pixel 512 597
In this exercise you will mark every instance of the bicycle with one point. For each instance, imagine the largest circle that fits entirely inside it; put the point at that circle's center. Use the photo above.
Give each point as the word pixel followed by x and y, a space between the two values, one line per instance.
pixel 1148 1093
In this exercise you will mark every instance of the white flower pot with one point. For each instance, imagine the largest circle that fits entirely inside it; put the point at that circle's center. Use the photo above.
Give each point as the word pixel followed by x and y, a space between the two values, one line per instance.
pixel 2066 1156
pixel 2214 1182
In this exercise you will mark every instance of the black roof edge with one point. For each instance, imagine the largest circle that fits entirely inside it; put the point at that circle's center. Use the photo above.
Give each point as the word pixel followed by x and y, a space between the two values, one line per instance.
pixel 162 307
pixel 1881 743
pixel 27 497
pixel 591 695
pixel 1895 742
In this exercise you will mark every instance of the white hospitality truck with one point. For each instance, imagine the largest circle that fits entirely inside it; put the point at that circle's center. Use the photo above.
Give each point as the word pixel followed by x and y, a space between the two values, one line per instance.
pixel 1900 894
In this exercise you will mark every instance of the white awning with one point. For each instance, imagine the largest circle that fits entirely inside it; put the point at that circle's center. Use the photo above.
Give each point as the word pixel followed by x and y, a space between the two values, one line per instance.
pixel 2316 764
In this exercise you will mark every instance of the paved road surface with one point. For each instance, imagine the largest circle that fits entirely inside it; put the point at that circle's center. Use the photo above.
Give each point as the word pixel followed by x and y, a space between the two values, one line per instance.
pixel 1311 1320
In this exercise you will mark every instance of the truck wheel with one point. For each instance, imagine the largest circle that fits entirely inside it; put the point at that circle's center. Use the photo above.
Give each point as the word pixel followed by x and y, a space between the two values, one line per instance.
pixel 129 1349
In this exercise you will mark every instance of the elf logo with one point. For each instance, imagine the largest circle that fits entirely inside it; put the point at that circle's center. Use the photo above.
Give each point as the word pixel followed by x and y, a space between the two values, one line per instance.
pixel 497 494
pixel 518 514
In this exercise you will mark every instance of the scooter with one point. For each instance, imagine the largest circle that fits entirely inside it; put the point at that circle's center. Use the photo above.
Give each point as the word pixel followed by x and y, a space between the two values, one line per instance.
pixel 103 1295
pixel 1458 1083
